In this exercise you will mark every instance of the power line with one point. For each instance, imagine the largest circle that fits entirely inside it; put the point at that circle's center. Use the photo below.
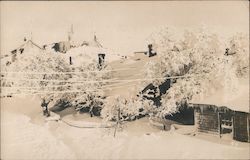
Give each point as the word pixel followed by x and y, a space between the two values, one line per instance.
pixel 39 92
pixel 33 92
pixel 98 88
pixel 98 81
pixel 61 86
pixel 76 72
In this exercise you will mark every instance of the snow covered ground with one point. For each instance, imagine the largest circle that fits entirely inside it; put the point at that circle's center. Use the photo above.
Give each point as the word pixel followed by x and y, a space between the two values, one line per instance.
pixel 26 135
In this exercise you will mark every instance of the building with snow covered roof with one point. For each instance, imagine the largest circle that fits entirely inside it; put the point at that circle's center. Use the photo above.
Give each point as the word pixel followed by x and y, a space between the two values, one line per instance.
pixel 28 47
pixel 89 52
pixel 28 44
pixel 220 113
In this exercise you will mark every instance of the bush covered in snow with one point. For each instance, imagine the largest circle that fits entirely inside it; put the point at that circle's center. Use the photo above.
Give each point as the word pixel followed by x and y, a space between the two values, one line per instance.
pixel 126 109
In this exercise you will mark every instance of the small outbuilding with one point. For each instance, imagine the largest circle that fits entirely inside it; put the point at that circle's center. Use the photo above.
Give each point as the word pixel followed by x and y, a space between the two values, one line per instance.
pixel 222 113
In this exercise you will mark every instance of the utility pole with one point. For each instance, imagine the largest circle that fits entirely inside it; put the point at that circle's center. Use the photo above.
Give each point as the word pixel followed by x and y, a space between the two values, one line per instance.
pixel 118 122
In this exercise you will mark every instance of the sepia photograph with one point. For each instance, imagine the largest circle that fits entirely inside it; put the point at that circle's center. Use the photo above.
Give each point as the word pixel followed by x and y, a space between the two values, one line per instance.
pixel 124 80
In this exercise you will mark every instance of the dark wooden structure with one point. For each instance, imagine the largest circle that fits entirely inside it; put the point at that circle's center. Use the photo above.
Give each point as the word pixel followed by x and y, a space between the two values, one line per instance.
pixel 241 126
pixel 151 52
pixel 62 47
pixel 207 119
pixel 222 120
pixel 70 60
pixel 101 57
pixel 154 93
pixel 184 116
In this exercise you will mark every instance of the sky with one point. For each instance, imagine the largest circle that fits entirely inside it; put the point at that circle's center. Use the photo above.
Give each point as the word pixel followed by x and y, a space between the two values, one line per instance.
pixel 121 26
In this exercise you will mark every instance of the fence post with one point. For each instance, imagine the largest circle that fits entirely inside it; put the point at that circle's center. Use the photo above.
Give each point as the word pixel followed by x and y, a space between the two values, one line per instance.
pixel 219 124
pixel 118 121
pixel 248 134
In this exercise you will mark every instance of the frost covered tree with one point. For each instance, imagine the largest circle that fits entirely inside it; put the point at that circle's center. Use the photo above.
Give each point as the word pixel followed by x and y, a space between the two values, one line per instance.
pixel 51 77
pixel 32 73
pixel 162 40
pixel 238 46
pixel 199 57
pixel 89 94
pixel 126 109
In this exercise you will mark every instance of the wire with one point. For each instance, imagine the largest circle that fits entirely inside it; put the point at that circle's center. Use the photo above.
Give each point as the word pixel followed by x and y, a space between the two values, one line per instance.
pixel 38 92
pixel 78 72
pixel 94 81
pixel 65 85
pixel 34 92
pixel 74 91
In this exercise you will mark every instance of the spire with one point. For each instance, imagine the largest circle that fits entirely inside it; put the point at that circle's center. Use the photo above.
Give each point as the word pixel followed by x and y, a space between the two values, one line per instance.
pixel 72 29
pixel 70 33
pixel 96 42
pixel 31 37
pixel 95 39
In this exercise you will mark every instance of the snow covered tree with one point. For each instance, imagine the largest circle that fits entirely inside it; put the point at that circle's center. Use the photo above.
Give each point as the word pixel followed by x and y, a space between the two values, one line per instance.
pixel 162 40
pixel 126 109
pixel 199 57
pixel 51 77
pixel 91 95
pixel 85 88
pixel 238 47
pixel 32 72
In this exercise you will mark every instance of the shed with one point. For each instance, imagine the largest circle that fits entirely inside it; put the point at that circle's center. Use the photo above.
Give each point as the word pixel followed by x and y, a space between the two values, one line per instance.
pixel 208 118
pixel 222 113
